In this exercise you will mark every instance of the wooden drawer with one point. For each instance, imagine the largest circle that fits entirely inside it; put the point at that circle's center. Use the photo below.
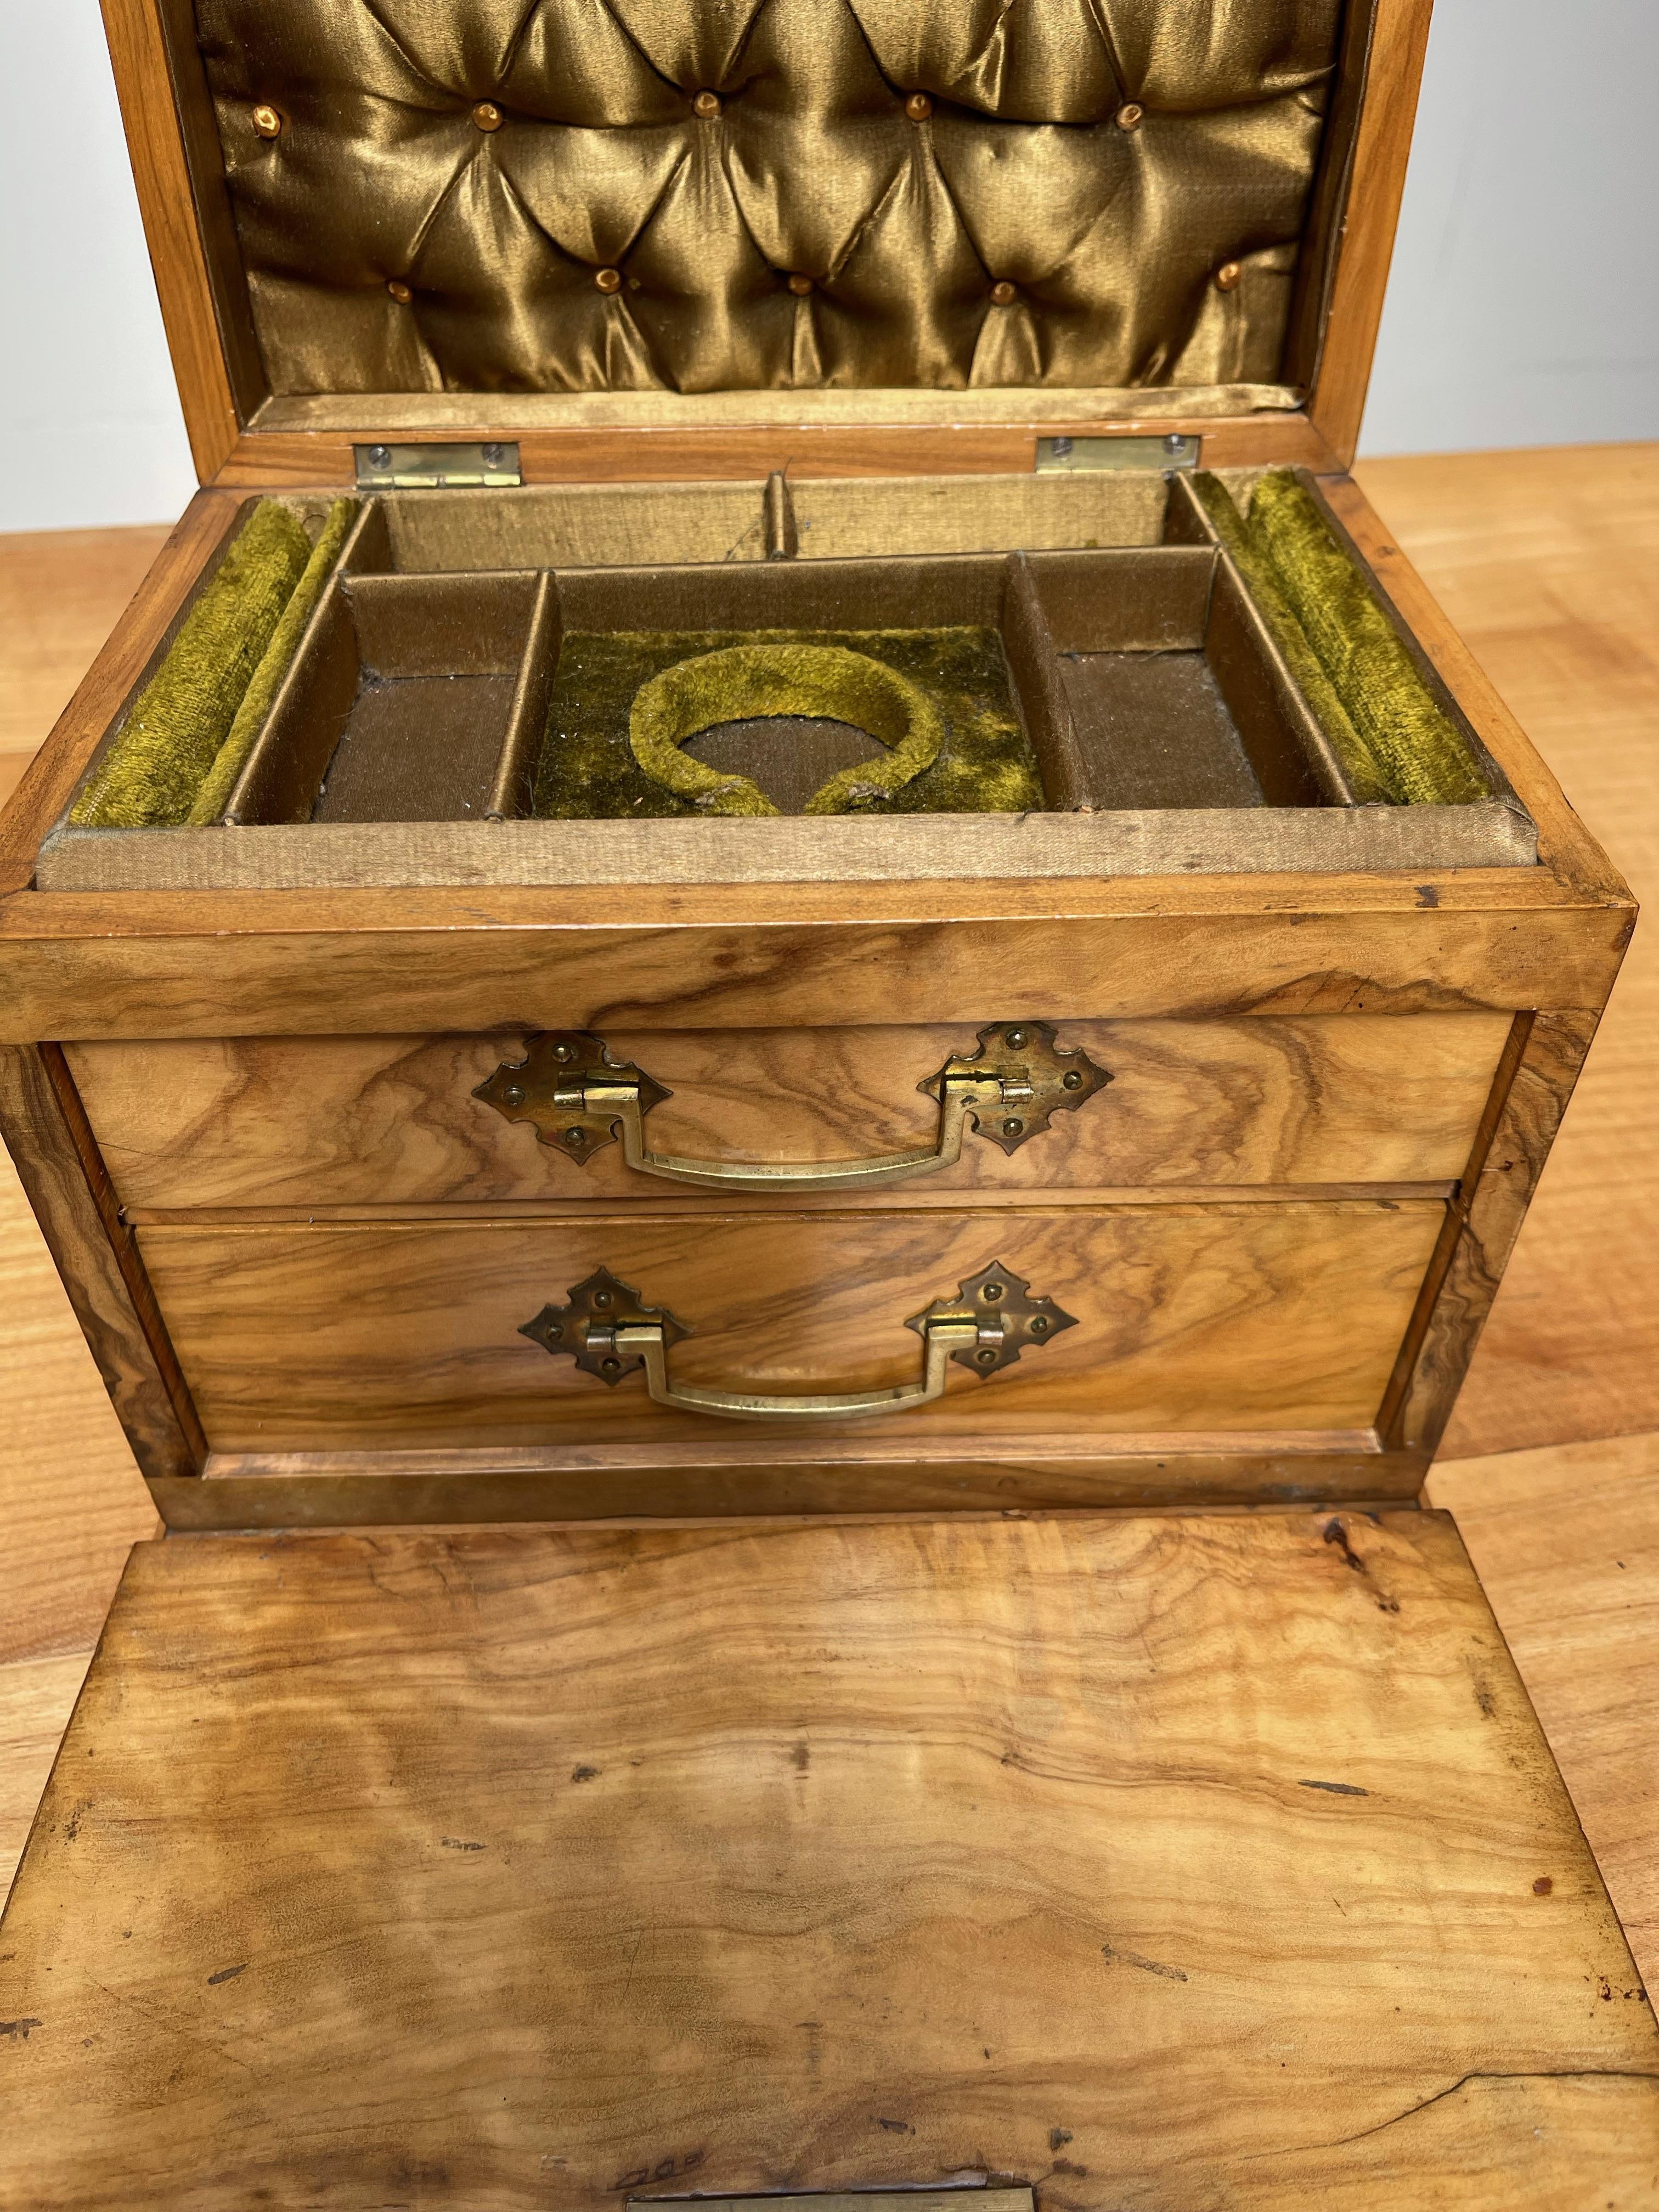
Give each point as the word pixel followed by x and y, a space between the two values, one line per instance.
pixel 1220 1318
pixel 352 1121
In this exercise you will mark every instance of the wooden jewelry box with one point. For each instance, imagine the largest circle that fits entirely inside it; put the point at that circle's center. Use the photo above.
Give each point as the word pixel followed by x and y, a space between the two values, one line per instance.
pixel 781 1012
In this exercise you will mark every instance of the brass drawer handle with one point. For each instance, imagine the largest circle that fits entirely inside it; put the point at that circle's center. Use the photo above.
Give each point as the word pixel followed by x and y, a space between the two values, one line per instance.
pixel 610 1332
pixel 578 1098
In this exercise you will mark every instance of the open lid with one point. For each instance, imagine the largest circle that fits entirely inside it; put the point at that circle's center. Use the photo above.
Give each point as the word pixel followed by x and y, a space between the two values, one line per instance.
pixel 844 235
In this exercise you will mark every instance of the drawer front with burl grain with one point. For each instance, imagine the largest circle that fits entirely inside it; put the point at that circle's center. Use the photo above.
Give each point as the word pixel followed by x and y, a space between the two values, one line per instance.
pixel 1005 1323
pixel 757 1116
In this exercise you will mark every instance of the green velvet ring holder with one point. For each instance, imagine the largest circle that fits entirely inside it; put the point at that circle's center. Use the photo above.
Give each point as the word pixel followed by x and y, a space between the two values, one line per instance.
pixel 744 683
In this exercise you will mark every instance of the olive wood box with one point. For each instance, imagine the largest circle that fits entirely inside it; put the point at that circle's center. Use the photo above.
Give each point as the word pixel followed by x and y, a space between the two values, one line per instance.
pixel 791 1441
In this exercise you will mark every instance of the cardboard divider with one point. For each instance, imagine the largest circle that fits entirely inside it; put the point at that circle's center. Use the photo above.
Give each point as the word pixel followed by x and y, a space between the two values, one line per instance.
pixel 1139 674
pixel 1120 655
pixel 418 698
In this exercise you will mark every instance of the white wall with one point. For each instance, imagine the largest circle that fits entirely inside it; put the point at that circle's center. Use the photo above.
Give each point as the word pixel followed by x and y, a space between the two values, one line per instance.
pixel 90 430
pixel 1524 306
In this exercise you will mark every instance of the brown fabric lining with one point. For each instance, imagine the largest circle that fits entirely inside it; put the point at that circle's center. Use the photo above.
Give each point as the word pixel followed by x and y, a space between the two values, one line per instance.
pixel 849 848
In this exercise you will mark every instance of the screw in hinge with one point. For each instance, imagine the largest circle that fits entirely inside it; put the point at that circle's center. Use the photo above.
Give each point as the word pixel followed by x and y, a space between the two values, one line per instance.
pixel 991 1293
pixel 576 1137
pixel 1071 1080
pixel 492 456
pixel 1059 447
pixel 513 1095
pixel 1016 1040
pixel 564 1051
pixel 1012 1128
pixel 380 457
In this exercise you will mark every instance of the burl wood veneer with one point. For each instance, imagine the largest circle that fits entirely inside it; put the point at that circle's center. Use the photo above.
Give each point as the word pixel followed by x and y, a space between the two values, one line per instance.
pixel 1209 1861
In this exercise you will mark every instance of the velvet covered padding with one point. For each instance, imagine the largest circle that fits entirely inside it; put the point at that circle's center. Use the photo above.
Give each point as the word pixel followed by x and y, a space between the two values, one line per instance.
pixel 151 774
pixel 588 769
pixel 1423 759
pixel 1016 233
pixel 820 681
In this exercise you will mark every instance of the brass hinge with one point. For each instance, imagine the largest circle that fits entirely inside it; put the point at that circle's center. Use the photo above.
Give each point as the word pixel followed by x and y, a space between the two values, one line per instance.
pixel 1075 456
pixel 437 467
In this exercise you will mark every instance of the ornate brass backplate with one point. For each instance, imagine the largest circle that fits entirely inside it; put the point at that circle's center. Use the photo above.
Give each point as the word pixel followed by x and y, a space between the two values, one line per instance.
pixel 549 1088
pixel 578 1099
pixel 1038 1076
pixel 586 1327
pixel 608 1331
pixel 1007 1319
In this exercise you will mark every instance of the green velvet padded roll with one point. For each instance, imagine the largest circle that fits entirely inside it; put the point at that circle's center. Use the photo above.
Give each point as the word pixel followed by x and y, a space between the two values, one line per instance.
pixel 588 770
pixel 266 680
pixel 1421 757
pixel 154 769
pixel 1261 578
pixel 745 682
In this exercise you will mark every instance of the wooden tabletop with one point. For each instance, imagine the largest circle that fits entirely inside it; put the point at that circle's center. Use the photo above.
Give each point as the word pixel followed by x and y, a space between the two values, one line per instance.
pixel 1548 562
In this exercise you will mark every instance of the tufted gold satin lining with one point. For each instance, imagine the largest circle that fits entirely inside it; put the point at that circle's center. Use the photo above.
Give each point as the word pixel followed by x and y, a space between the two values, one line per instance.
pixel 382 181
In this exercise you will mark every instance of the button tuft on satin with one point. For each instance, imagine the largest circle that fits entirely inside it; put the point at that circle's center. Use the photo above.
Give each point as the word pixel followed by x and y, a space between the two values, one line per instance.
pixel 267 122
pixel 799 285
pixel 1003 294
pixel 487 116
pixel 399 291
pixel 1227 276
pixel 706 105
pixel 918 107
pixel 1128 117
pixel 608 279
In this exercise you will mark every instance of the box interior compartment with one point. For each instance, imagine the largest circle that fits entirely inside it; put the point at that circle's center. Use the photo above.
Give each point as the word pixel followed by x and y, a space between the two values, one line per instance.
pixel 1090 648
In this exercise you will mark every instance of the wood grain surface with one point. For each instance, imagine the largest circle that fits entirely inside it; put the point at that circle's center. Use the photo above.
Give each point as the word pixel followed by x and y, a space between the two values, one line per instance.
pixel 1210 1860
pixel 1565 1541
pixel 48 634
pixel 97 1260
pixel 1548 563
pixel 96 694
pixel 279 458
pixel 36 1694
pixel 385 1120
pixel 1280 1316
pixel 87 964
pixel 1337 405
pixel 172 227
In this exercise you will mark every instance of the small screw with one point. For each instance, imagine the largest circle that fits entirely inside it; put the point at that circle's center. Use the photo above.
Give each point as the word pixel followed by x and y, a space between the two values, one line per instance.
pixel 1012 1128
pixel 992 1292
pixel 513 1096
pixel 575 1136
pixel 555 1328
pixel 1061 448
pixel 380 457
pixel 1071 1080
pixel 1039 1324
pixel 612 1366
pixel 1175 443
pixel 601 1298
pixel 492 456
pixel 564 1051
pixel 1016 1040
pixel 986 1358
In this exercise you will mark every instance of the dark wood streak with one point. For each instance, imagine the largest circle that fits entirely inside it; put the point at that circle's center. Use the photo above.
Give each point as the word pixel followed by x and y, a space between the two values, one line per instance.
pixel 96 1254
